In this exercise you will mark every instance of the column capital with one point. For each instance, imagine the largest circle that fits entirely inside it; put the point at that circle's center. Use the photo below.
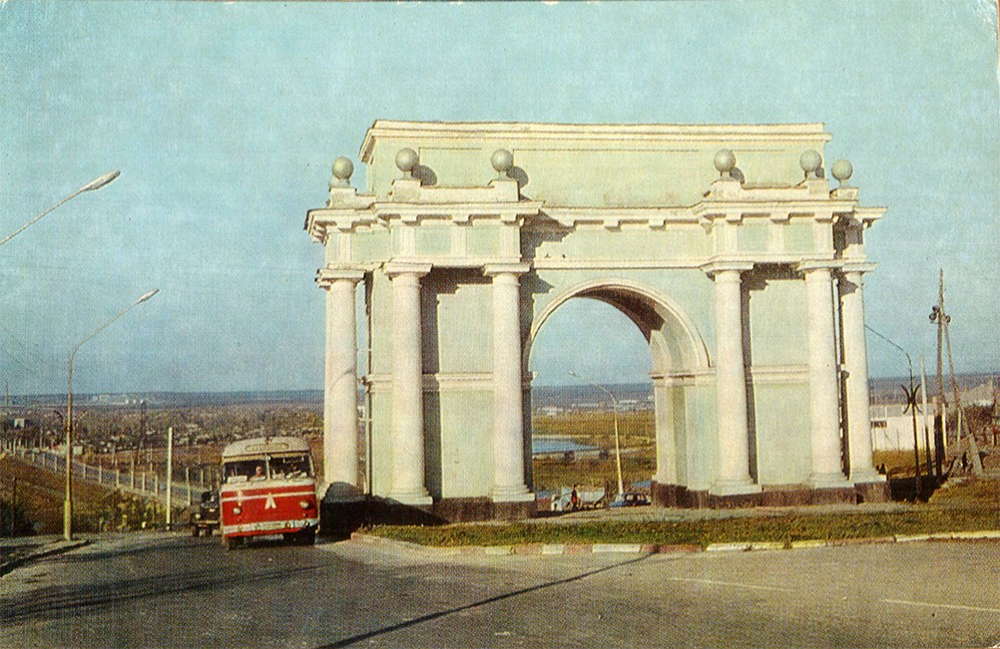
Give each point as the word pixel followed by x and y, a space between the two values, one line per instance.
pixel 718 267
pixel 327 276
pixel 491 270
pixel 401 268
pixel 817 264
pixel 857 267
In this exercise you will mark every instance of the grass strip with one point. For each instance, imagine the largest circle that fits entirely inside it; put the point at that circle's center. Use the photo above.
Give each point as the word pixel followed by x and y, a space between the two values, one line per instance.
pixel 779 528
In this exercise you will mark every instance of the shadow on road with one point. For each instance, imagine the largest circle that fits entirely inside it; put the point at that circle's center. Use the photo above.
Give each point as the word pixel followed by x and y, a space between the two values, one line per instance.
pixel 346 642
pixel 58 602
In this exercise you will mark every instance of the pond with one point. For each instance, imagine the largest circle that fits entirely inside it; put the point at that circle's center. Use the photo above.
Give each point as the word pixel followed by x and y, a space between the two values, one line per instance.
pixel 546 445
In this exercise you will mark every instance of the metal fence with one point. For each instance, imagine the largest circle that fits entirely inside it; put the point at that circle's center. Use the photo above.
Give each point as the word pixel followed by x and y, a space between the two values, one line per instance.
pixel 145 483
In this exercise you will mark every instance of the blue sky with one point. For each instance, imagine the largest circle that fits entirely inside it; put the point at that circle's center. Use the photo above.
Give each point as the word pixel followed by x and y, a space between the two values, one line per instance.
pixel 224 119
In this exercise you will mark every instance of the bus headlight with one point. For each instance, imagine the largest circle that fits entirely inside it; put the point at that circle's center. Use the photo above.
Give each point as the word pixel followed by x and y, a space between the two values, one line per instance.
pixel 304 504
pixel 237 511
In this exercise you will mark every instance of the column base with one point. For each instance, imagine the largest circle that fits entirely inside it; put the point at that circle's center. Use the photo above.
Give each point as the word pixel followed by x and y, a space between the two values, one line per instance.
pixel 340 492
pixel 829 481
pixel 517 494
pixel 733 488
pixel 414 499
pixel 867 476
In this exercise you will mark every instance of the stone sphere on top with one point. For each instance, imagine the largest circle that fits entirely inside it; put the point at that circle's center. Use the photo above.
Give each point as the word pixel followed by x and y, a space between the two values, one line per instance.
pixel 342 168
pixel 406 160
pixel 502 160
pixel 725 161
pixel 842 170
pixel 810 161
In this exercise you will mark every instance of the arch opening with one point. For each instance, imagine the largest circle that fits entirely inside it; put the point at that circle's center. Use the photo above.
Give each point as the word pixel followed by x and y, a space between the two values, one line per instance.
pixel 663 350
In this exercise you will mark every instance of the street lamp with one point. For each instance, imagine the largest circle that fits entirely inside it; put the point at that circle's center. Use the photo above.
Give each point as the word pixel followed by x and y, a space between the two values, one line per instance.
pixel 618 449
pixel 911 405
pixel 68 505
pixel 96 183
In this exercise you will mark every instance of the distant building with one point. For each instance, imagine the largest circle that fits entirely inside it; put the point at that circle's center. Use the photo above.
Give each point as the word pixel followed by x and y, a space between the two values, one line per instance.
pixel 892 429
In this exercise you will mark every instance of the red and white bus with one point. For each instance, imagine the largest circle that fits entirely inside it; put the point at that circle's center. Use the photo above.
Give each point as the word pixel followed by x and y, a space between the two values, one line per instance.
pixel 268 488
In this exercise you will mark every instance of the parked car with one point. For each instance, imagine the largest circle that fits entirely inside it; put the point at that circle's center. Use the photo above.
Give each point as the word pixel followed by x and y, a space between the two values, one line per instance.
pixel 206 517
pixel 630 499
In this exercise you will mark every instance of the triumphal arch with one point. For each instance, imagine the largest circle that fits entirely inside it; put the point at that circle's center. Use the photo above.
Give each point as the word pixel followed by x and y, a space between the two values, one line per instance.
pixel 726 245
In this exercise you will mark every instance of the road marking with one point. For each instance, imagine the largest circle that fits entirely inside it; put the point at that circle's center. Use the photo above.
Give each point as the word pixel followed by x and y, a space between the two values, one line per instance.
pixel 729 583
pixel 978 609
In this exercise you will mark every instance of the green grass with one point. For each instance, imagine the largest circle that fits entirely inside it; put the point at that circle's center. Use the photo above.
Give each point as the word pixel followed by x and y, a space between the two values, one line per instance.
pixel 970 493
pixel 40 494
pixel 784 529
pixel 556 473
pixel 968 507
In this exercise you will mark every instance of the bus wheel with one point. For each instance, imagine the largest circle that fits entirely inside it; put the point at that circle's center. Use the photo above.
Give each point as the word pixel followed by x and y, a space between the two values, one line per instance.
pixel 307 536
pixel 230 542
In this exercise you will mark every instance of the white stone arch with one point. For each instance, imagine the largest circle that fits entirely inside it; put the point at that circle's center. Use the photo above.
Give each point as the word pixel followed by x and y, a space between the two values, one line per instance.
pixel 455 296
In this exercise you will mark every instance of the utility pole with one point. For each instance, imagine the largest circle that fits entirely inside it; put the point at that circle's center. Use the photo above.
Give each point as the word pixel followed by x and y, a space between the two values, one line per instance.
pixel 170 470
pixel 942 319
pixel 939 309
pixel 923 423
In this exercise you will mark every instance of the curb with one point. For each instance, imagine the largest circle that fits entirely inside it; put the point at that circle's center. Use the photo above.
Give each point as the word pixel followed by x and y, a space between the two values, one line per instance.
pixel 560 549
pixel 48 550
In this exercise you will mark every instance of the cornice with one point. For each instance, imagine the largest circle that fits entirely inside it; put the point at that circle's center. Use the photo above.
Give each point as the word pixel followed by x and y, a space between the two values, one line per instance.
pixel 457 212
pixel 612 133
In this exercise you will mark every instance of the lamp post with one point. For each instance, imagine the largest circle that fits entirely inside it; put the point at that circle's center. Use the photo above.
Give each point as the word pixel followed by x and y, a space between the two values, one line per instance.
pixel 618 449
pixel 96 183
pixel 68 505
pixel 911 405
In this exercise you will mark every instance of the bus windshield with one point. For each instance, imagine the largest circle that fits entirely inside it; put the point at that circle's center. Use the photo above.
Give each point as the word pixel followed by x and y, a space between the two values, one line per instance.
pixel 290 466
pixel 274 468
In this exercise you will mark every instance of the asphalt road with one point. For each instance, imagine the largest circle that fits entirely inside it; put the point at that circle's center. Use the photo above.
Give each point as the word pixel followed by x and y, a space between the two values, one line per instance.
pixel 174 591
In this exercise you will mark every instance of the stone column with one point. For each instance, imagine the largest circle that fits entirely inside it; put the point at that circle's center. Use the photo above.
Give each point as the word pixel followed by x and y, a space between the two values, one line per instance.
pixel 407 387
pixel 340 399
pixel 859 435
pixel 508 436
pixel 823 393
pixel 733 476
